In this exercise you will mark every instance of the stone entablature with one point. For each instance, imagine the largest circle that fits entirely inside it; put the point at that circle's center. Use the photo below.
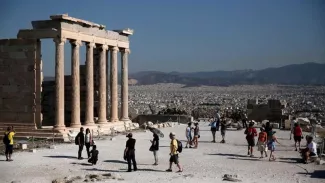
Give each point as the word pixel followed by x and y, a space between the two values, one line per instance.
pixel 67 27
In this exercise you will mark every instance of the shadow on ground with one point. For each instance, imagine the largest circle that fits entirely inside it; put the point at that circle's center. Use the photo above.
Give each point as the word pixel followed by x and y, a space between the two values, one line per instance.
pixel 83 164
pixel 116 161
pixel 290 160
pixel 246 159
pixel 124 170
pixel 317 174
pixel 67 157
pixel 231 155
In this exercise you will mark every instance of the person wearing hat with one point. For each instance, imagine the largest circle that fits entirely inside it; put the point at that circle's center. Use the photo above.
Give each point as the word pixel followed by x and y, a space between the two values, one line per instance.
pixel 173 153
pixel 129 152
pixel 262 142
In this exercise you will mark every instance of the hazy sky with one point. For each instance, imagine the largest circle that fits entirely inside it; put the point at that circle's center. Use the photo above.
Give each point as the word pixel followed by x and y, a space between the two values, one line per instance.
pixel 188 35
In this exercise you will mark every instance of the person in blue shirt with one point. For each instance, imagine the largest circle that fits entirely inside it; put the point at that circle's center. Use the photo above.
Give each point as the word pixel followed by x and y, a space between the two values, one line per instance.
pixel 213 125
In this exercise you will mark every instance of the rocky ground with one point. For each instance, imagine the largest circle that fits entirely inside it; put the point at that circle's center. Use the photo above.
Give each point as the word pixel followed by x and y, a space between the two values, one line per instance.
pixel 208 163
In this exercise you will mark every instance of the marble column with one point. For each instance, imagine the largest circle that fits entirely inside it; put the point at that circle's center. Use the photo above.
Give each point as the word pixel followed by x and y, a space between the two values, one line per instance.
pixel 59 83
pixel 125 85
pixel 75 83
pixel 102 86
pixel 108 93
pixel 114 87
pixel 89 116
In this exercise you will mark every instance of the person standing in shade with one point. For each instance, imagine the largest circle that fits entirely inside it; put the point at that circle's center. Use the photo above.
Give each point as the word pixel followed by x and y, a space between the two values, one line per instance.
pixel 81 142
pixel 173 154
pixel 155 147
pixel 297 135
pixel 9 135
pixel 213 125
pixel 292 126
pixel 188 134
pixel 88 141
pixel 244 120
pixel 251 133
pixel 129 153
pixel 196 135
pixel 223 124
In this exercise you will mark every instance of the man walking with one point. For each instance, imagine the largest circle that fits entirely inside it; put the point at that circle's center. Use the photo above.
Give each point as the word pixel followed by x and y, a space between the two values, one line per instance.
pixel 9 142
pixel 292 126
pixel 129 153
pixel 81 142
pixel 173 153
pixel 213 125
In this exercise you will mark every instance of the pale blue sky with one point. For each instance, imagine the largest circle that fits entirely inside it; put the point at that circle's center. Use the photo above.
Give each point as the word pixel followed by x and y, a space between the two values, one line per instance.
pixel 188 35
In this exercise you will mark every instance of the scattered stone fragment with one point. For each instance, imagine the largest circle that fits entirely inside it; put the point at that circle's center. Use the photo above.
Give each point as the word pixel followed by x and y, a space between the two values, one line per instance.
pixel 232 178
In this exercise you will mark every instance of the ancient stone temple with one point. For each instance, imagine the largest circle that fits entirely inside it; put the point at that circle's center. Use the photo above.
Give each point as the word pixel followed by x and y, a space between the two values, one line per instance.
pixel 69 101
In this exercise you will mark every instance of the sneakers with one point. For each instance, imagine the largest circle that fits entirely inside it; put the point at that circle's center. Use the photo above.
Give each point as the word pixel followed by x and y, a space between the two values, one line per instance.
pixel 169 170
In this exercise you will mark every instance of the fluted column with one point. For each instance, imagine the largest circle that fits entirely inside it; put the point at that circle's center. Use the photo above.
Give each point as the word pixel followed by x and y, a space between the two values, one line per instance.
pixel 108 95
pixel 59 83
pixel 75 82
pixel 89 116
pixel 114 89
pixel 125 85
pixel 102 86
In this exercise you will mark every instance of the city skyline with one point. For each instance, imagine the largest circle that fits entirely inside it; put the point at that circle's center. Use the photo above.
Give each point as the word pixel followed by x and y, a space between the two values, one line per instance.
pixel 189 37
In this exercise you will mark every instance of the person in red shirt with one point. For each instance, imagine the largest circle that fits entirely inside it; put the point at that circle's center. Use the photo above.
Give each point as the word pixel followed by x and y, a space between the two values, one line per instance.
pixel 251 133
pixel 262 142
pixel 297 135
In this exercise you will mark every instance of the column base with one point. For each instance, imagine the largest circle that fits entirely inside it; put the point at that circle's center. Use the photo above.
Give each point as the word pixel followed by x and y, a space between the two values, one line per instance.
pixel 102 122
pixel 125 119
pixel 75 125
pixel 114 120
pixel 90 124
pixel 59 127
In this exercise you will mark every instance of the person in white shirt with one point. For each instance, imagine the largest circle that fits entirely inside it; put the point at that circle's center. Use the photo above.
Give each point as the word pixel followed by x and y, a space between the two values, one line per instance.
pixel 311 149
pixel 292 126
pixel 188 134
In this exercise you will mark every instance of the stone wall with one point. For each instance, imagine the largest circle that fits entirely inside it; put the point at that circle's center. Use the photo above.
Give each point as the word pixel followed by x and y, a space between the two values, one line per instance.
pixel 19 80
pixel 141 119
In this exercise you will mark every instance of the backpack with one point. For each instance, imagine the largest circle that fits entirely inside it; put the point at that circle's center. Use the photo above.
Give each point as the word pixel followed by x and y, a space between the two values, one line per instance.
pixel 5 139
pixel 179 146
pixel 76 141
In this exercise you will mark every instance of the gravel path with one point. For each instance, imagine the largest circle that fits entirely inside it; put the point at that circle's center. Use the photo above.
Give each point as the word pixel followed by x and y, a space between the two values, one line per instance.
pixel 208 163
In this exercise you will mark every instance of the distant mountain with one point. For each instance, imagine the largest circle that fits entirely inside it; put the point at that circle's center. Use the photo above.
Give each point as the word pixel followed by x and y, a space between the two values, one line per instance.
pixel 297 74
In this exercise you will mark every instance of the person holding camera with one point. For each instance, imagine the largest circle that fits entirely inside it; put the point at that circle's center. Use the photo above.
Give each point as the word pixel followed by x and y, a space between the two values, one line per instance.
pixel 8 140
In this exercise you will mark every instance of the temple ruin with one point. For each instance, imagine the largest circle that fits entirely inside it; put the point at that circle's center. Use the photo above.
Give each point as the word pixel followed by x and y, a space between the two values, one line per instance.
pixel 69 101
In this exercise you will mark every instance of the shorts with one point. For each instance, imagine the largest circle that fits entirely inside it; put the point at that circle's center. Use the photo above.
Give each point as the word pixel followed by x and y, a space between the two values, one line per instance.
pixel 271 146
pixel 174 159
pixel 297 138
pixel 9 149
pixel 261 146
pixel 189 138
pixel 223 132
pixel 312 154
pixel 251 142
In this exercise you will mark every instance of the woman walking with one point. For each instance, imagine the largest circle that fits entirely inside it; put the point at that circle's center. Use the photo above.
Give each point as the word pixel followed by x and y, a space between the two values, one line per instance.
pixel 88 141
pixel 155 147
pixel 196 135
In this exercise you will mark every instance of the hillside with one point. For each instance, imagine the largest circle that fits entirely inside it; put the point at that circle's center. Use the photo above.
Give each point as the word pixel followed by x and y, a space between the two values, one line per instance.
pixel 297 74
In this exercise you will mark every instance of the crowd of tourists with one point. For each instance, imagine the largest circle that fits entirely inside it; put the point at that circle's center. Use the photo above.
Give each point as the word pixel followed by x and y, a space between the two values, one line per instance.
pixel 266 141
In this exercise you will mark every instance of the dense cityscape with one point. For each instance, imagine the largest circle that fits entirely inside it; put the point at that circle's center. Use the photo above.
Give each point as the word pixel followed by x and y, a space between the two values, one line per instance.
pixel 300 100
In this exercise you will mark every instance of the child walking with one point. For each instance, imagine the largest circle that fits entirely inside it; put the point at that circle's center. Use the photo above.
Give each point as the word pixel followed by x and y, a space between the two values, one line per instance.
pixel 271 146
pixel 94 155
pixel 262 142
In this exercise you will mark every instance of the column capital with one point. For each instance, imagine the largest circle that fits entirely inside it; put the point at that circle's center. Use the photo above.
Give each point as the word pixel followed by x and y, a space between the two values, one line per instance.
pixel 60 40
pixel 126 50
pixel 104 47
pixel 114 48
pixel 76 43
pixel 91 44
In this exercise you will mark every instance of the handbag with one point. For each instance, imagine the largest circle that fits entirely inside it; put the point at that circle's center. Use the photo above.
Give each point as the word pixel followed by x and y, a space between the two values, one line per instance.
pixel 151 148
